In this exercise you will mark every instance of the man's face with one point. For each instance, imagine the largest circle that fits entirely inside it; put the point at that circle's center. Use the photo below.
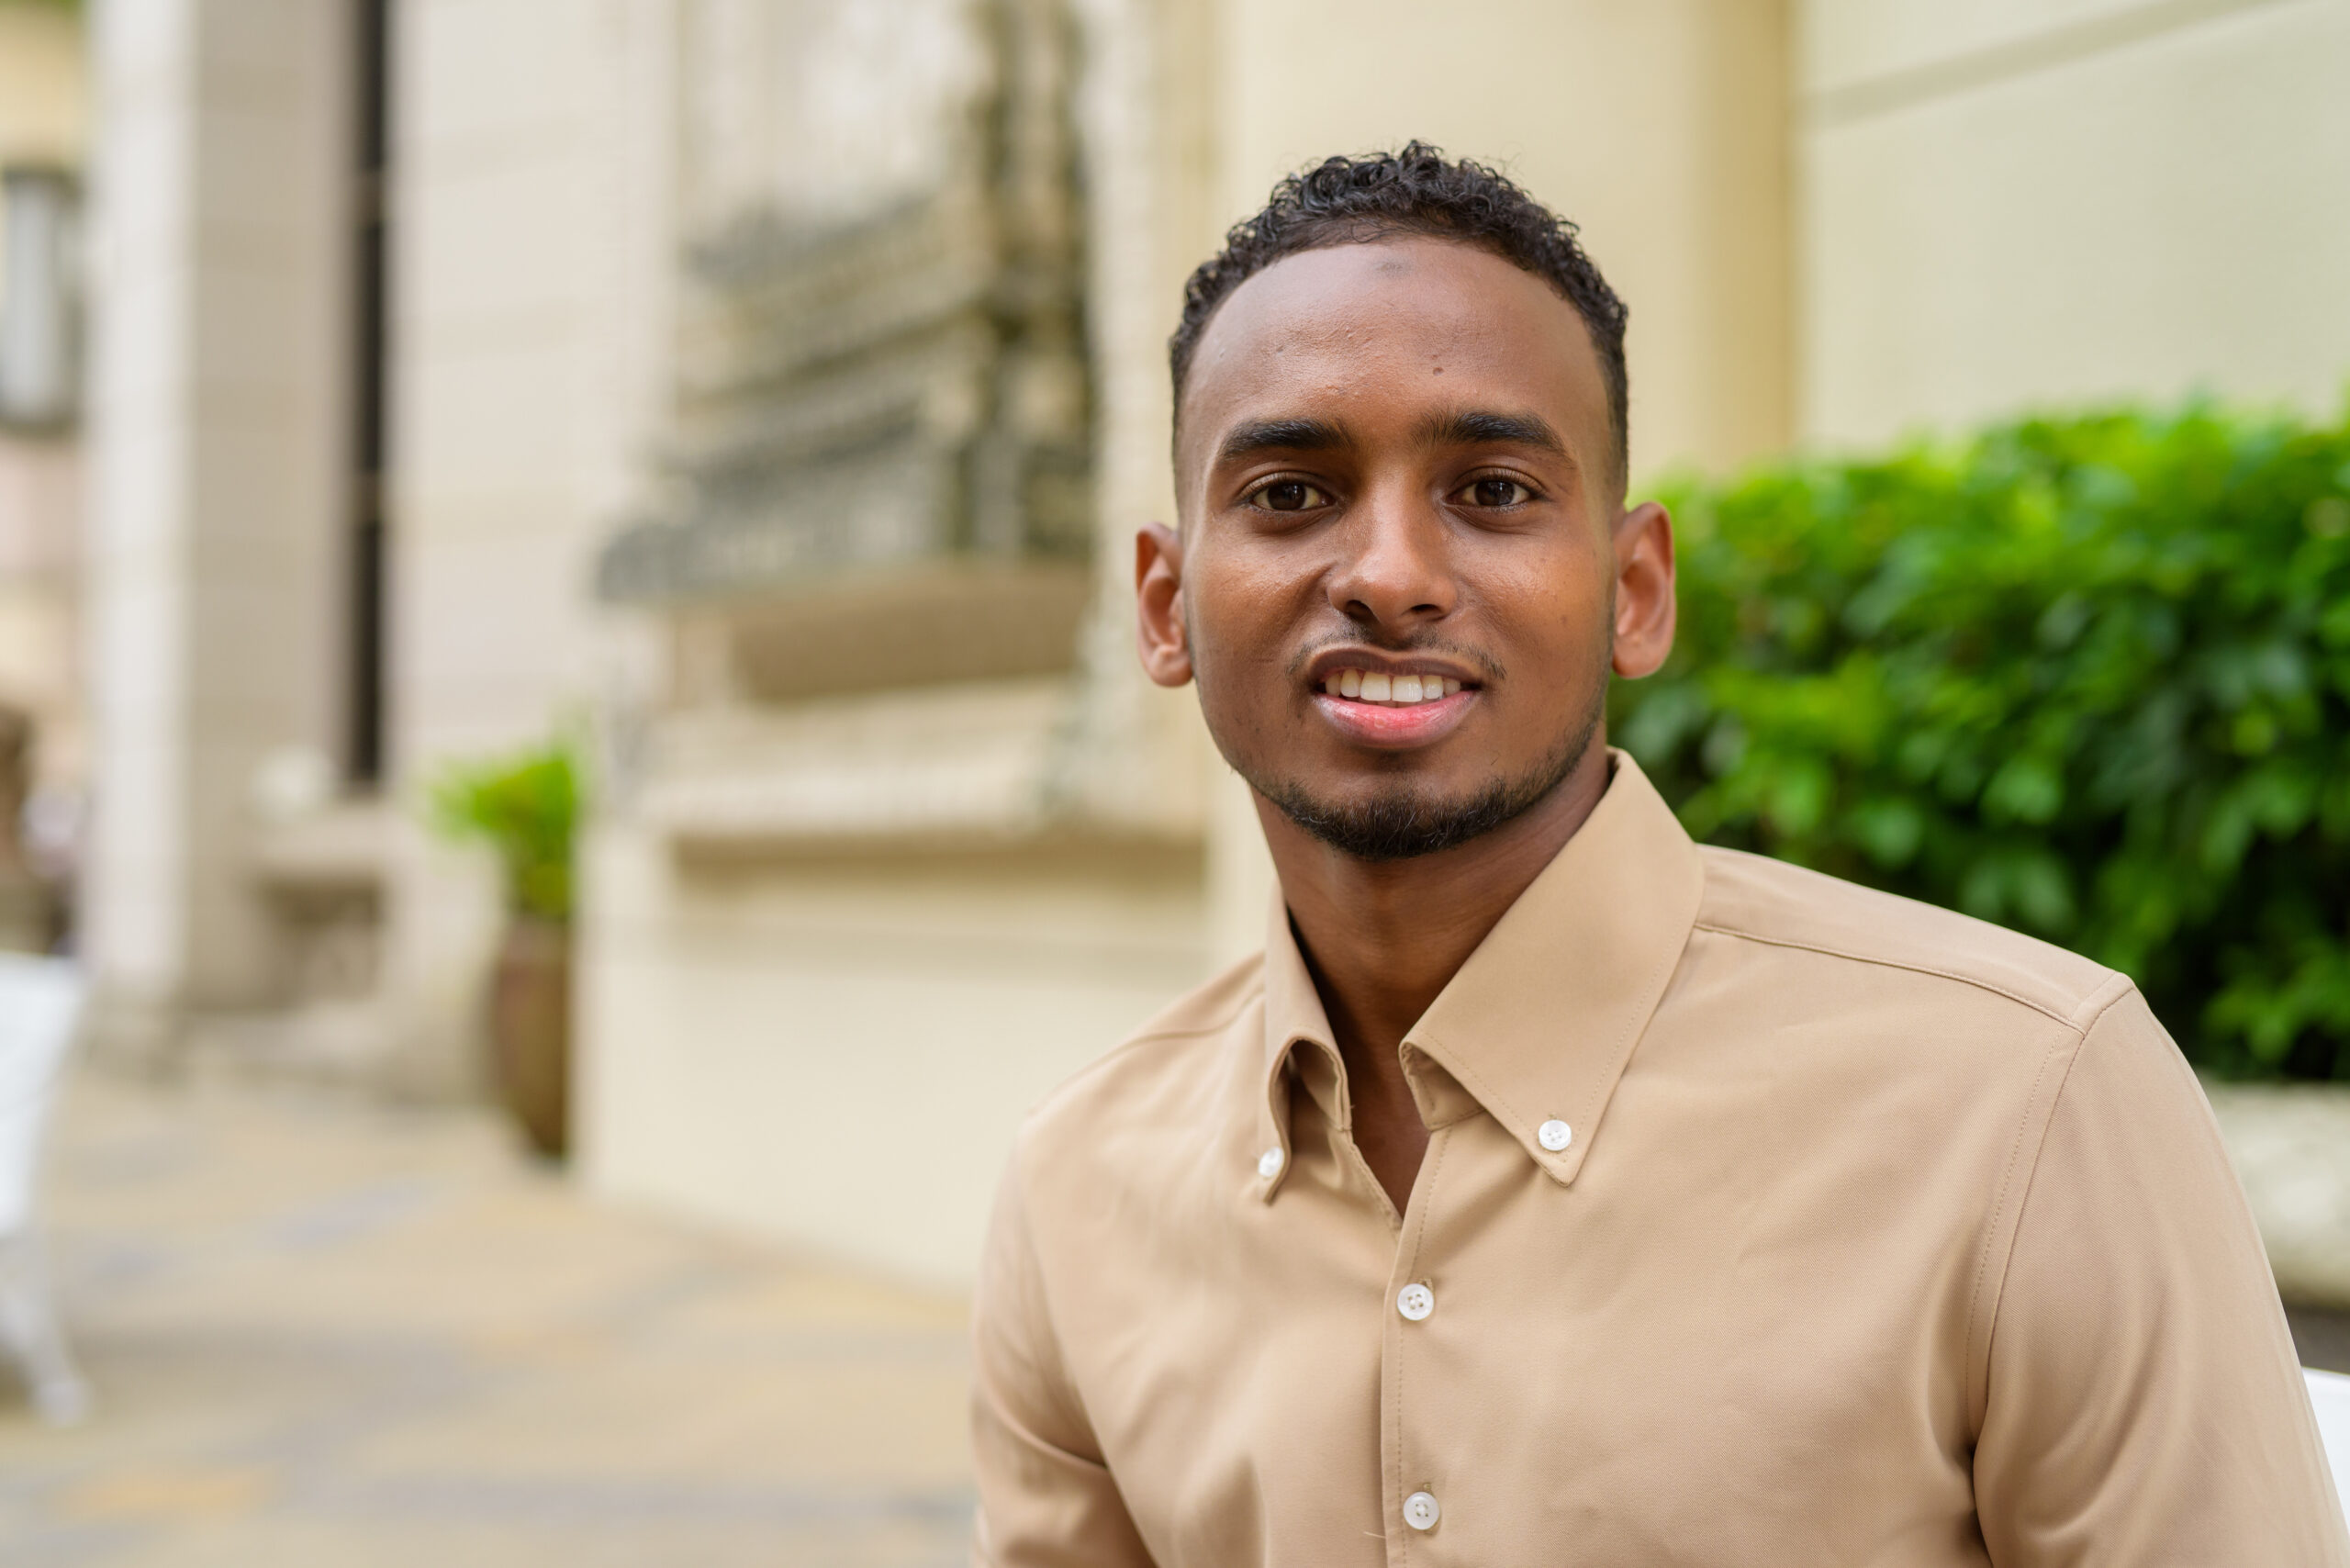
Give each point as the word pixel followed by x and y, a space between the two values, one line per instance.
pixel 1400 579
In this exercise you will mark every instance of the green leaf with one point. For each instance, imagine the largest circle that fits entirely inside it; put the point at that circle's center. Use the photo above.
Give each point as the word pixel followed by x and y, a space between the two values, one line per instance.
pixel 525 806
pixel 2086 674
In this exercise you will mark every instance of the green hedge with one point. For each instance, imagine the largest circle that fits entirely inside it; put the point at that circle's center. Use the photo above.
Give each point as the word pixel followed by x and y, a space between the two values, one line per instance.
pixel 2087 677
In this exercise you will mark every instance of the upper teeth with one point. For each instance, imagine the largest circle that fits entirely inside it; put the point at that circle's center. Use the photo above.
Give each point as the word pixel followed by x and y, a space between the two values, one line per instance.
pixel 1367 686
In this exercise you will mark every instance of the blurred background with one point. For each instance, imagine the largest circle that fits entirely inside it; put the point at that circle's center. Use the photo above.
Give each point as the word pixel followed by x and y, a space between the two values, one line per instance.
pixel 565 678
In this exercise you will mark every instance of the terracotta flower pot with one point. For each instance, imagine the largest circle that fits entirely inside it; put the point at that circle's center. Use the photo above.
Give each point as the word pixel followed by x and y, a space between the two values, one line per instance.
pixel 529 1031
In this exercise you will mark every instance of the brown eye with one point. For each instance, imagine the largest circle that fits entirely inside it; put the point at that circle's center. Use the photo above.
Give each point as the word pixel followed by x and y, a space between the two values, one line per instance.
pixel 1499 493
pixel 1290 495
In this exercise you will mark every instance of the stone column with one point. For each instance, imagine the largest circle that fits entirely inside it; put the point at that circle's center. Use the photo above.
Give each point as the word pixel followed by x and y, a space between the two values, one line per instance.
pixel 216 419
pixel 522 306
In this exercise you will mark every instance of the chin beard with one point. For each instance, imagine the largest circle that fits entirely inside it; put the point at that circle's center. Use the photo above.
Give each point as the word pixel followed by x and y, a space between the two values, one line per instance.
pixel 1403 822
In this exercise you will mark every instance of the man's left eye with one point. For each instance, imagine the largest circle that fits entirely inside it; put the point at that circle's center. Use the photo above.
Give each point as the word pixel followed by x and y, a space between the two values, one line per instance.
pixel 1496 493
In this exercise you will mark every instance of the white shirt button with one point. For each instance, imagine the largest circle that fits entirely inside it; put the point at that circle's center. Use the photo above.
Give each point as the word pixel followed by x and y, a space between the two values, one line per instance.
pixel 1554 1135
pixel 1269 1164
pixel 1416 1302
pixel 1420 1510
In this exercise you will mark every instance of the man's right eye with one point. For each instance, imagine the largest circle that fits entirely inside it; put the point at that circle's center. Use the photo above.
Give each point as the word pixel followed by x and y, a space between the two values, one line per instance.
pixel 1290 495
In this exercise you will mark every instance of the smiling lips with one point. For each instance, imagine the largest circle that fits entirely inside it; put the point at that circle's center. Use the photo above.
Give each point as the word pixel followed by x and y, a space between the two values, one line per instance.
pixel 1401 690
pixel 1388 711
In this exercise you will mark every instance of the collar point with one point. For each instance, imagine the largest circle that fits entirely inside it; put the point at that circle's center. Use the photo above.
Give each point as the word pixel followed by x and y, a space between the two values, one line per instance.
pixel 1560 1168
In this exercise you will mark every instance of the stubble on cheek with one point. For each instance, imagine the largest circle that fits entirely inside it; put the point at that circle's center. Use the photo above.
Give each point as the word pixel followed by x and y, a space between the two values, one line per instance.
pixel 1244 696
pixel 1243 728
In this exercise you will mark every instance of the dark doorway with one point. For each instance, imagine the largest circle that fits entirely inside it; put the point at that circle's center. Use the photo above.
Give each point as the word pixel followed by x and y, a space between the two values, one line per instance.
pixel 369 578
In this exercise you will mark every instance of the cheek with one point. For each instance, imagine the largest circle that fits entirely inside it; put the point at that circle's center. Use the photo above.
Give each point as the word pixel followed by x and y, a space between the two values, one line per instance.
pixel 1239 612
pixel 1226 624
pixel 1551 609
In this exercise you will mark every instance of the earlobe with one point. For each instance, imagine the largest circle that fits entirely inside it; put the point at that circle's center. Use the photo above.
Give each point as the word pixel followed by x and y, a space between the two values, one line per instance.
pixel 1158 605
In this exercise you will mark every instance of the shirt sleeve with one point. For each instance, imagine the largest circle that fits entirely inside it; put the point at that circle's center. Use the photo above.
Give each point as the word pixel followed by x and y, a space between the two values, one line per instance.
pixel 2143 1403
pixel 1046 1499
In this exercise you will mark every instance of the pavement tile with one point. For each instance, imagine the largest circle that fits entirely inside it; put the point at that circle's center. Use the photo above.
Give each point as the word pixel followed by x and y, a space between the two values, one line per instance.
pixel 337 1334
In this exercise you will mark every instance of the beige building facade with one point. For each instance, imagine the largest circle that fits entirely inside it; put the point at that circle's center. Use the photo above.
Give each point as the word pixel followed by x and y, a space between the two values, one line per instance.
pixel 2013 203
pixel 773 387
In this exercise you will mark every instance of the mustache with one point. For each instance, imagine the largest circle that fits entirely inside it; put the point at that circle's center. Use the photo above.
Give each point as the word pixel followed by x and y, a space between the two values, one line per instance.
pixel 1488 669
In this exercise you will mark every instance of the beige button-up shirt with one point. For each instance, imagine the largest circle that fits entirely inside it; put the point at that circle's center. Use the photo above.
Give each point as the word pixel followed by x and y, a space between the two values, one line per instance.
pixel 1765 1220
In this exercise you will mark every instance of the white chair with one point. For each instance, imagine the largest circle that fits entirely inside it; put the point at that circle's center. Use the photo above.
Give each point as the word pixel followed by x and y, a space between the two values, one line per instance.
pixel 40 1003
pixel 2329 1397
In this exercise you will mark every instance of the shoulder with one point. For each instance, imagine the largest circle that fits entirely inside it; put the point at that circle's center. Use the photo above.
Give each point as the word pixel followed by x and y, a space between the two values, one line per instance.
pixel 1175 1070
pixel 1755 898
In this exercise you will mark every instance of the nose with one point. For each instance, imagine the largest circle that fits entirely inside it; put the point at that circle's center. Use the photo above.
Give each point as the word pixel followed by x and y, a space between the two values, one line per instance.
pixel 1394 573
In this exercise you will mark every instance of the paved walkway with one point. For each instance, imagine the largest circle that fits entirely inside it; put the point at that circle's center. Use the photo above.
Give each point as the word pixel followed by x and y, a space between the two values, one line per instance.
pixel 329 1333
pixel 325 1334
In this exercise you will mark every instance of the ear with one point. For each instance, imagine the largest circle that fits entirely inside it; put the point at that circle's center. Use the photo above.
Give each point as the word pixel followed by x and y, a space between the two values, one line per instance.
pixel 1644 609
pixel 1158 604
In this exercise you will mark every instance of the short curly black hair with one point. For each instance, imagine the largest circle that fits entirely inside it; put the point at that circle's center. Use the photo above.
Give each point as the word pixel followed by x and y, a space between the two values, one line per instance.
pixel 1414 191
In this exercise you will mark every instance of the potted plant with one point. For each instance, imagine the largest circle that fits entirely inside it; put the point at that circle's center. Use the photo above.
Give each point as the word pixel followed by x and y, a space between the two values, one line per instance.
pixel 525 806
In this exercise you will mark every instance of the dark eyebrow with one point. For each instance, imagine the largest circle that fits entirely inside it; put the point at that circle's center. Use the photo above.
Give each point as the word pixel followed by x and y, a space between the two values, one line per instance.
pixel 1281 435
pixel 1479 427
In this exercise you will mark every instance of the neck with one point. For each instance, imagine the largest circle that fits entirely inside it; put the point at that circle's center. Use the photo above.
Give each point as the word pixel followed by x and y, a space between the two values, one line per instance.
pixel 1382 938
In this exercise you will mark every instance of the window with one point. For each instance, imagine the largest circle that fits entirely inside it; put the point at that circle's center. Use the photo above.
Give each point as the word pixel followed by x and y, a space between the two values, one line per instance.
pixel 39 298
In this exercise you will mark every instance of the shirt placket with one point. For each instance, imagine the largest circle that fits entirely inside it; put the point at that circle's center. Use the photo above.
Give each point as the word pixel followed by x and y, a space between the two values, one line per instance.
pixel 1414 1487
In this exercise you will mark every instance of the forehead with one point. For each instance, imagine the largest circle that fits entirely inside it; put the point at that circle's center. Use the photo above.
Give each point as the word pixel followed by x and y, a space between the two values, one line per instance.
pixel 1362 332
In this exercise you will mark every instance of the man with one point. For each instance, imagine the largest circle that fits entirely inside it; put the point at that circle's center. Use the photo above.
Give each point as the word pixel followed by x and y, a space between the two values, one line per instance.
pixel 1553 1189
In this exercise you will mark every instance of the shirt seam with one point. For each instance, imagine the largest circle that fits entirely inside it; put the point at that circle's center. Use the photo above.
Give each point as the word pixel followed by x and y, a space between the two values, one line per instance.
pixel 1118 1052
pixel 1913 966
pixel 2080 1024
pixel 1227 1022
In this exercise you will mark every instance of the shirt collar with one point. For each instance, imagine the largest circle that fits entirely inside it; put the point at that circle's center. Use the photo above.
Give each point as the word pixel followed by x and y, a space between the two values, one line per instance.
pixel 1537 1026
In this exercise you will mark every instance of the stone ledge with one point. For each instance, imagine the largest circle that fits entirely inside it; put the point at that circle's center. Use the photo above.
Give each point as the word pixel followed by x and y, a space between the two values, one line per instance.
pixel 346 845
pixel 980 765
pixel 941 623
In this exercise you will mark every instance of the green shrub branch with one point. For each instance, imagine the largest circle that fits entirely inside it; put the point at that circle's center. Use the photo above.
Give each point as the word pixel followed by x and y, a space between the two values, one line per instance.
pixel 2087 677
